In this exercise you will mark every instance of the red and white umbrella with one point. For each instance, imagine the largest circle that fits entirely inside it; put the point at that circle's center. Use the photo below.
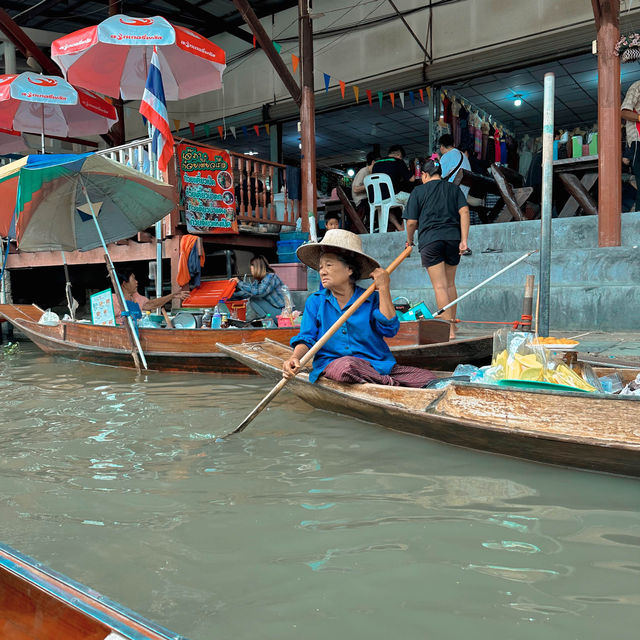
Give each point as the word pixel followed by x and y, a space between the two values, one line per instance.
pixel 113 58
pixel 48 105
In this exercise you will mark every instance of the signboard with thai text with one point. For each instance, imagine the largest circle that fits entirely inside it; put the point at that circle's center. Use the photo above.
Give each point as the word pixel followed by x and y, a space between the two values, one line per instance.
pixel 207 192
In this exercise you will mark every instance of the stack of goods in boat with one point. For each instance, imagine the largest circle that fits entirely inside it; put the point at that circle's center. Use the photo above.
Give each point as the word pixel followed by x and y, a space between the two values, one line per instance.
pixel 522 360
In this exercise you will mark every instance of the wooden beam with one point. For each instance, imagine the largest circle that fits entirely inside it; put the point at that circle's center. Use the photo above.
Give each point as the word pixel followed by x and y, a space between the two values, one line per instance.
pixel 351 212
pixel 249 16
pixel 26 45
pixel 597 12
pixel 506 191
pixel 609 138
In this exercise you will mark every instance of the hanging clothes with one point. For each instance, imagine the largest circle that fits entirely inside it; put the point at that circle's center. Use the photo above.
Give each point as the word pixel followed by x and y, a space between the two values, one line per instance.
pixel 455 122
pixel 496 146
pixel 504 152
pixel 525 157
pixel 446 105
pixel 477 137
pixel 191 260
pixel 485 127
pixel 464 128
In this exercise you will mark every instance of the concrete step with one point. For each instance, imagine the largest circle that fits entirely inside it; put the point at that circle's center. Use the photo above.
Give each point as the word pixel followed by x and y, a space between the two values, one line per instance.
pixel 567 233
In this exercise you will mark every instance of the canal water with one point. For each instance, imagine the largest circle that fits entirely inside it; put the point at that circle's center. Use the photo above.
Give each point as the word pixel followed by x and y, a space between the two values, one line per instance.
pixel 307 525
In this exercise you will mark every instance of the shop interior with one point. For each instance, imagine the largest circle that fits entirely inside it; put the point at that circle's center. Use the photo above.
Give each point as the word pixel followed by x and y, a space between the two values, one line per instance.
pixel 510 100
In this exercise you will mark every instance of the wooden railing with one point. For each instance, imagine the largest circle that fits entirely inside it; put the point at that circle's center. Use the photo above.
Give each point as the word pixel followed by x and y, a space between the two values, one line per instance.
pixel 257 183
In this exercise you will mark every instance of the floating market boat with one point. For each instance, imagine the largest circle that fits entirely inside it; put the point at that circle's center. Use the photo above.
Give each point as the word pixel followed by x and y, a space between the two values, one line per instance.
pixel 421 343
pixel 36 602
pixel 592 431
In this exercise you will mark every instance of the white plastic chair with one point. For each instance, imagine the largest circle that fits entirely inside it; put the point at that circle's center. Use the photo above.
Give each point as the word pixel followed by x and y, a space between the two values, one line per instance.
pixel 373 184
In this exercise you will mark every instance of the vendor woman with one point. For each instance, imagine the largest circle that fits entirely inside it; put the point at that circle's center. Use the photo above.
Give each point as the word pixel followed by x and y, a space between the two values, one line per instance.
pixel 129 286
pixel 264 294
pixel 357 352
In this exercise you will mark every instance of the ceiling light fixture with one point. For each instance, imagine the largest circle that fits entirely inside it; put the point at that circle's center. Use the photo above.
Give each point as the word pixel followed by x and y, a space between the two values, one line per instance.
pixel 517 100
pixel 351 173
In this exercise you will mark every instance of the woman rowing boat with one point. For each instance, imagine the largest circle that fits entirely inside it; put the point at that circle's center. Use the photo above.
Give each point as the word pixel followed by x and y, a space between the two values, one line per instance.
pixel 357 353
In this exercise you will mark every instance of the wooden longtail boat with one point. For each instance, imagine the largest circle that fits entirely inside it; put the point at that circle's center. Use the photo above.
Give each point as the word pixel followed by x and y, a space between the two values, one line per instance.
pixel 590 431
pixel 37 603
pixel 421 343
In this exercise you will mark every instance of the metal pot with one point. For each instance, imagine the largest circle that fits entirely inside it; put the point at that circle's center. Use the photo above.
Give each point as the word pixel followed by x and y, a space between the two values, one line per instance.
pixel 187 320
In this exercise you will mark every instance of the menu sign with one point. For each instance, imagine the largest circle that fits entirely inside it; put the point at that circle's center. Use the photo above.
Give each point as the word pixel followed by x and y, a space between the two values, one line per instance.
pixel 207 193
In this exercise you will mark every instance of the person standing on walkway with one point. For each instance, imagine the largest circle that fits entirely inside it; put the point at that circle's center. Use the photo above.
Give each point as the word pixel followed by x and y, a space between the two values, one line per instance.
pixel 439 211
pixel 631 116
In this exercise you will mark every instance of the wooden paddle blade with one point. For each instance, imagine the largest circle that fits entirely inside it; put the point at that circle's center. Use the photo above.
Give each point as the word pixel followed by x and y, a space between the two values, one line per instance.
pixel 263 403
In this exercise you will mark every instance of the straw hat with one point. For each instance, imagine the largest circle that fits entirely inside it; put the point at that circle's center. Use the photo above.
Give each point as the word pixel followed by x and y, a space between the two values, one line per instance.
pixel 340 242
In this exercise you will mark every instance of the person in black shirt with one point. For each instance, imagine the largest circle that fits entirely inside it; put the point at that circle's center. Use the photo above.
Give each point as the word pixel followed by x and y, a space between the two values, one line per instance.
pixel 439 211
pixel 394 166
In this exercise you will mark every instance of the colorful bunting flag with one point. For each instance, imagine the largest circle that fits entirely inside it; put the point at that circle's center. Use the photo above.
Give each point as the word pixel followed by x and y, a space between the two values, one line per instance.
pixel 356 93
pixel 267 129
pixel 428 92
pixel 401 94
pixel 276 46
pixel 256 128
pixel 295 61
pixel 392 95
pixel 245 130
pixel 421 96
pixel 369 97
pixel 207 130
pixel 192 126
pixel 254 42
pixel 176 125
pixel 233 131
pixel 342 87
pixel 412 97
pixel 327 80
pixel 380 98
pixel 221 131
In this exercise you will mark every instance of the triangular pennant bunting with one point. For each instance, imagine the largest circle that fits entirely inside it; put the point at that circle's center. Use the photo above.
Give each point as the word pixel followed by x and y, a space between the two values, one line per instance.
pixel 207 130
pixel 392 95
pixel 380 98
pixel 221 131
pixel 192 126
pixel 267 128
pixel 401 94
pixel 421 96
pixel 233 132
pixel 327 80
pixel 256 128
pixel 369 97
pixel 342 87
pixel 295 61
pixel 176 125
pixel 254 42
pixel 276 46
pixel 412 97
pixel 356 93
pixel 245 130
pixel 428 92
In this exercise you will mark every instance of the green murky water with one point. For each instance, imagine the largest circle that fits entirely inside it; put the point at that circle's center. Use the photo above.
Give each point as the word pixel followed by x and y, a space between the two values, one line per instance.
pixel 307 525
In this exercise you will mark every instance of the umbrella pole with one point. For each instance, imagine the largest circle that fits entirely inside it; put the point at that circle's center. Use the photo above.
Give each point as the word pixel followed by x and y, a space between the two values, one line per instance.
pixel 67 288
pixel 156 174
pixel 42 130
pixel 131 331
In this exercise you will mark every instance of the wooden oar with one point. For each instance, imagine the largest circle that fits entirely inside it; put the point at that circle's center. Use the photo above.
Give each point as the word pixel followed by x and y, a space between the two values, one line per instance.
pixel 307 357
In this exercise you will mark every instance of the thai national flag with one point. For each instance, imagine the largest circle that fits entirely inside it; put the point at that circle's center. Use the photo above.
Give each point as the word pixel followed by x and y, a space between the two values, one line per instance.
pixel 154 109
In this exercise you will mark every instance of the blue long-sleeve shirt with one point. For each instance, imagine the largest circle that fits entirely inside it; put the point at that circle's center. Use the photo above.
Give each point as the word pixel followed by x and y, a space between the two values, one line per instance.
pixel 269 288
pixel 362 335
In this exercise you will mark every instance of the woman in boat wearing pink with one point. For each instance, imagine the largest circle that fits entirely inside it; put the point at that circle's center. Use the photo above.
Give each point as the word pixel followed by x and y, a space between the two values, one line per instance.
pixel 129 286
pixel 357 352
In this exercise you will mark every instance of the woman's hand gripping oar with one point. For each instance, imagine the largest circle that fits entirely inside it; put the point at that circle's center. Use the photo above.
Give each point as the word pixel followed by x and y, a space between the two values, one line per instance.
pixel 317 346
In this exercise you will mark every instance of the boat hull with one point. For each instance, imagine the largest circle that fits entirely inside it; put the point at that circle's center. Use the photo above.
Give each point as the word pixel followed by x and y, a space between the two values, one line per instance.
pixel 194 350
pixel 587 431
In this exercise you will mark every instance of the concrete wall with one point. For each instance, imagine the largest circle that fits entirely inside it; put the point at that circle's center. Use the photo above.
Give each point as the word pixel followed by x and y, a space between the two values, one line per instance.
pixel 591 288
pixel 472 30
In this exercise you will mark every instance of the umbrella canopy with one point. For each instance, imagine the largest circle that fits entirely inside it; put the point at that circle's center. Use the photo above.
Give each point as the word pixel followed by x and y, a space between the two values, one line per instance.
pixel 52 210
pixel 113 58
pixel 12 142
pixel 34 103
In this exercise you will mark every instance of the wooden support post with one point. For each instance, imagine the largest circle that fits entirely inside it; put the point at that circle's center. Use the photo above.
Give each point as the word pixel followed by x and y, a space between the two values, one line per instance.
pixel 579 194
pixel 308 122
pixel 351 212
pixel 506 191
pixel 607 16
pixel 265 43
